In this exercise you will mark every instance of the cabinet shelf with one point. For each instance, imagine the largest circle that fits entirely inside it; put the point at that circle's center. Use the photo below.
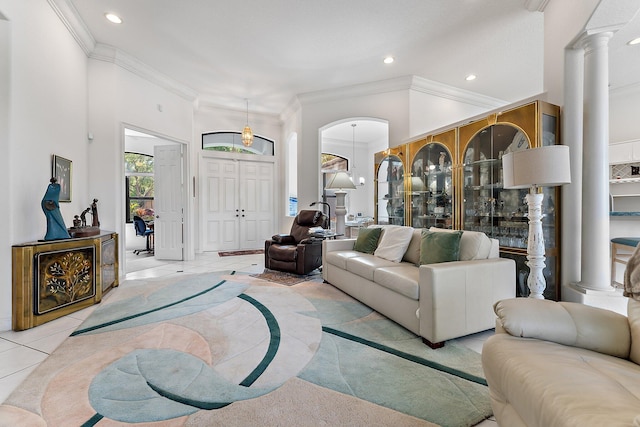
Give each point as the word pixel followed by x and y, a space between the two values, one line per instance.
pixel 482 162
pixel 496 186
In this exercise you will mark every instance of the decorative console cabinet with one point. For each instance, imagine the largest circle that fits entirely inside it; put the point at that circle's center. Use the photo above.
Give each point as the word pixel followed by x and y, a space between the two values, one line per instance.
pixel 54 278
pixel 454 180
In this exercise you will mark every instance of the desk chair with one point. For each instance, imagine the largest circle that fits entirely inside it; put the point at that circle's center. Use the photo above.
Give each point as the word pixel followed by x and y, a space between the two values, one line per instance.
pixel 143 230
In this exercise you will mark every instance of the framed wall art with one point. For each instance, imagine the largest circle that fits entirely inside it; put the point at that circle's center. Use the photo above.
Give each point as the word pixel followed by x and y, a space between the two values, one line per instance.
pixel 62 172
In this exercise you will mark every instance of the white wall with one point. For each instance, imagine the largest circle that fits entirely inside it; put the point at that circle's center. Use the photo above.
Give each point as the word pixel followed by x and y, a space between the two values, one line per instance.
pixel 6 192
pixel 119 98
pixel 623 109
pixel 563 21
pixel 390 106
pixel 428 112
pixel 47 101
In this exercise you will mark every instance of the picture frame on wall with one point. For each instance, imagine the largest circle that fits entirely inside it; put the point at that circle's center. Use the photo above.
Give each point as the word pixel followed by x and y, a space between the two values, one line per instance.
pixel 62 172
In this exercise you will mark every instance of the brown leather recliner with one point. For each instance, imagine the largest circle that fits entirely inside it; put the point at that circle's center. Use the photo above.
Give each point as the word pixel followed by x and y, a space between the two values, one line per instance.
pixel 297 252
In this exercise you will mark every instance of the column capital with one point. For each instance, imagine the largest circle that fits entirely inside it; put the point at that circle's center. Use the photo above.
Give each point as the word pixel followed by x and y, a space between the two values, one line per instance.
pixel 590 41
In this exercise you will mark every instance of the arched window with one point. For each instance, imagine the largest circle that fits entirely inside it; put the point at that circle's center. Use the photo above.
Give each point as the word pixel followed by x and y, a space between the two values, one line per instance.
pixel 231 142
pixel 331 162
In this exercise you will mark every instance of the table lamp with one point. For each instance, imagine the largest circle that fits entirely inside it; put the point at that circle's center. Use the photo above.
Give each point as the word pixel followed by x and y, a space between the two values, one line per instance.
pixel 534 168
pixel 339 182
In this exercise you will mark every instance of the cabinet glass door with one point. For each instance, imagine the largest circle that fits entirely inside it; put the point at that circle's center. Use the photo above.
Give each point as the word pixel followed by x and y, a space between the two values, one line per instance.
pixel 390 203
pixel 431 188
pixel 487 206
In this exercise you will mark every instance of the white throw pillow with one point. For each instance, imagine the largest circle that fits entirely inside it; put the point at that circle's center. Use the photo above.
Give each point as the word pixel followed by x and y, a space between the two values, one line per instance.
pixel 394 242
pixel 473 244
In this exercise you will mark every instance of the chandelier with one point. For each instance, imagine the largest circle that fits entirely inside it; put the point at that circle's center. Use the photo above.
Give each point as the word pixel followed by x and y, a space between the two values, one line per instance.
pixel 247 135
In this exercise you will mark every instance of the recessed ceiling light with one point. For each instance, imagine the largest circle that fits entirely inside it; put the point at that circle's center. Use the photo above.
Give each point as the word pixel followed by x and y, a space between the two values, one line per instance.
pixel 634 41
pixel 388 60
pixel 470 77
pixel 113 18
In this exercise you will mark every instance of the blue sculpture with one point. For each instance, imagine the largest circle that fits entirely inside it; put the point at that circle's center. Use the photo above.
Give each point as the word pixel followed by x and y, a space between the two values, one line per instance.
pixel 51 207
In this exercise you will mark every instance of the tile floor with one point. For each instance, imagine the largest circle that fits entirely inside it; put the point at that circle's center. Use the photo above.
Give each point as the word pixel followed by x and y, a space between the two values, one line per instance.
pixel 21 352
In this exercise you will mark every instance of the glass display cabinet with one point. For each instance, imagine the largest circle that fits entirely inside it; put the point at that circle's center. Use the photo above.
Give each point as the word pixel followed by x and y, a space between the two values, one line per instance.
pixel 502 213
pixel 430 187
pixel 487 206
pixel 390 187
pixel 454 180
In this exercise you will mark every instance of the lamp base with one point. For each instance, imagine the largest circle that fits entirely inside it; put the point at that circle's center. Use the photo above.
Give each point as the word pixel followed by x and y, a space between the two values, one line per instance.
pixel 341 211
pixel 535 246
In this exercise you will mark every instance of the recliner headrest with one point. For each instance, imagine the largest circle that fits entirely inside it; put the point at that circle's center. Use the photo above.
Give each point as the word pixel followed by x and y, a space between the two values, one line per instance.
pixel 308 217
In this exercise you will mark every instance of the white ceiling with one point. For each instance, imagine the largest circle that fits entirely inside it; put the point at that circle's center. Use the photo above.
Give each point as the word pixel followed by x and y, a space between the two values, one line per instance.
pixel 270 51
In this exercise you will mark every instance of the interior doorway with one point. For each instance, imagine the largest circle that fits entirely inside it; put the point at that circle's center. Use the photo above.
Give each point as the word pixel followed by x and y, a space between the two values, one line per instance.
pixel 357 144
pixel 154 190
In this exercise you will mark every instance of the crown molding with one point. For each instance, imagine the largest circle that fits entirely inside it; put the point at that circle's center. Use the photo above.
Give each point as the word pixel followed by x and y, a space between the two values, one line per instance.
pixel 536 5
pixel 625 90
pixel 292 107
pixel 204 104
pixel 106 53
pixel 414 83
pixel 70 17
pixel 441 90
pixel 352 91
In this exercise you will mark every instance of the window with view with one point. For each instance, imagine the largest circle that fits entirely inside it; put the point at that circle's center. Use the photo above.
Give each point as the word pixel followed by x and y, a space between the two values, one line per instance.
pixel 231 142
pixel 139 186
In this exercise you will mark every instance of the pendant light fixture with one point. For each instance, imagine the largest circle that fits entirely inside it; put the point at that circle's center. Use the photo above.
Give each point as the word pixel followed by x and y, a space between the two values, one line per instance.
pixel 247 135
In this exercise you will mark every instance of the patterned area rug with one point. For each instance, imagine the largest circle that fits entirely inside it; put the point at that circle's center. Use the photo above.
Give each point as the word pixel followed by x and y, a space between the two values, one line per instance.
pixel 245 252
pixel 230 349
pixel 288 279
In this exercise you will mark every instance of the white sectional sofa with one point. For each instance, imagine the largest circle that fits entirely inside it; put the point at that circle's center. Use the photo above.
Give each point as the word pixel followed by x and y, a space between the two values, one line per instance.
pixel 563 364
pixel 437 301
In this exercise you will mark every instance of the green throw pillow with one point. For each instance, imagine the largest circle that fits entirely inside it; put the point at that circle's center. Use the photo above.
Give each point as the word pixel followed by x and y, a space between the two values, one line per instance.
pixel 438 247
pixel 367 240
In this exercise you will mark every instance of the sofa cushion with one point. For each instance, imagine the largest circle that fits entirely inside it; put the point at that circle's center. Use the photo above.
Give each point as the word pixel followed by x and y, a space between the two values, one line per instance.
pixel 412 254
pixel 367 240
pixel 473 244
pixel 633 315
pixel 339 258
pixel 439 247
pixel 394 242
pixel 401 278
pixel 365 265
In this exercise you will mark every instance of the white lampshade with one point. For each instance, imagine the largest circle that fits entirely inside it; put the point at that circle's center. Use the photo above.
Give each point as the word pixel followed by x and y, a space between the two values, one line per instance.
pixel 540 167
pixel 340 181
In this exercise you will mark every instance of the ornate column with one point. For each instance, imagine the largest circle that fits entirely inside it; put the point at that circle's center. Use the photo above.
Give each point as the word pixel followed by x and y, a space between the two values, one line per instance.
pixel 595 267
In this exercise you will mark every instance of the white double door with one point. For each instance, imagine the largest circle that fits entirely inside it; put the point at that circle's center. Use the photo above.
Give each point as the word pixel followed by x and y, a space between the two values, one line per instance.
pixel 237 204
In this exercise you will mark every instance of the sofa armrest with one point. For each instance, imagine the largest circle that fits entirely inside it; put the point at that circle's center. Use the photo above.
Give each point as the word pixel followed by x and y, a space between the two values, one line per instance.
pixel 331 245
pixel 283 239
pixel 566 323
pixel 457 298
